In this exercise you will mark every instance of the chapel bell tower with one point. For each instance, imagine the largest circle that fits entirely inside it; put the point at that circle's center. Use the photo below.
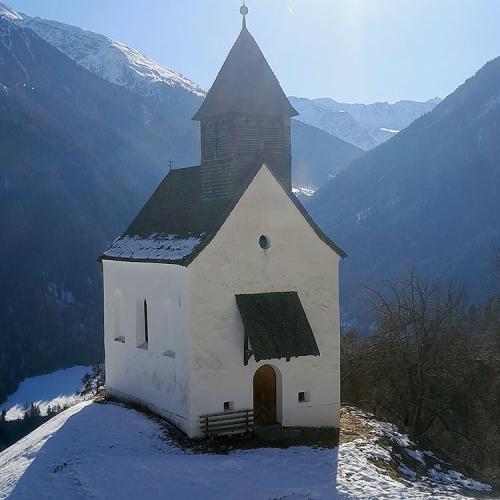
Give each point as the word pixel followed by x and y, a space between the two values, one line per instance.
pixel 245 119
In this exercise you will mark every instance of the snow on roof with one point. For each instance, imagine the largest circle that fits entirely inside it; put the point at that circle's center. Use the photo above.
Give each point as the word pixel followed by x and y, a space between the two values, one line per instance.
pixel 108 451
pixel 154 247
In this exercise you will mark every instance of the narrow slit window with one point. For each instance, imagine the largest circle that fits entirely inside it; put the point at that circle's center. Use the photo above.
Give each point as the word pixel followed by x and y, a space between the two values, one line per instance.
pixel 117 317
pixel 146 332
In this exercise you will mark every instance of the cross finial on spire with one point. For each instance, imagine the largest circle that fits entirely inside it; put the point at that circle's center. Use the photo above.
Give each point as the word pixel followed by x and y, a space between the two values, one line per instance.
pixel 244 12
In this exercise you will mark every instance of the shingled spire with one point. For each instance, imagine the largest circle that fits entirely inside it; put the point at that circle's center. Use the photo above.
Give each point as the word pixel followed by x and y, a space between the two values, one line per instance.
pixel 244 117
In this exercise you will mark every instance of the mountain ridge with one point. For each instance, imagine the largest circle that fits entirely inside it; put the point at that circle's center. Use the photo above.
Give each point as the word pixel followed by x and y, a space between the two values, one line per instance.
pixel 364 125
pixel 124 66
pixel 427 198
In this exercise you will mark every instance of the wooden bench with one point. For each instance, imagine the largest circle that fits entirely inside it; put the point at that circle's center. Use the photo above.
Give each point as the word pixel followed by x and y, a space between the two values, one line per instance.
pixel 227 423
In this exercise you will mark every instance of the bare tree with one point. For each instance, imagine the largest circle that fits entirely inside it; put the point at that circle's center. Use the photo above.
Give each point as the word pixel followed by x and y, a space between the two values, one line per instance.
pixel 417 323
pixel 94 381
pixel 431 365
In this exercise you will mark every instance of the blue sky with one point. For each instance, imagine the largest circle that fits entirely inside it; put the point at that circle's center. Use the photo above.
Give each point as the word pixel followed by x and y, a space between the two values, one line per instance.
pixel 351 50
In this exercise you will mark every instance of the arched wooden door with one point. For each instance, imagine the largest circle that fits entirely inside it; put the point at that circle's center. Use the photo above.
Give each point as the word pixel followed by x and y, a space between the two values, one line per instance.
pixel 264 395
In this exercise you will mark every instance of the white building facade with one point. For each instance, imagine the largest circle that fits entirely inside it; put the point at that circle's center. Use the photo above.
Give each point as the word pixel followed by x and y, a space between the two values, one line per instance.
pixel 224 299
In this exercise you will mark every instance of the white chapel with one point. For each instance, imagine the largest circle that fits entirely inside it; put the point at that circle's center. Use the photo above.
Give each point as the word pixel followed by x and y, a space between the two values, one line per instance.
pixel 223 295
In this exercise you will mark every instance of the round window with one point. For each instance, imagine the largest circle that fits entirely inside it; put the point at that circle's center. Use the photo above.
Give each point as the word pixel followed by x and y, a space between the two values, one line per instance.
pixel 264 242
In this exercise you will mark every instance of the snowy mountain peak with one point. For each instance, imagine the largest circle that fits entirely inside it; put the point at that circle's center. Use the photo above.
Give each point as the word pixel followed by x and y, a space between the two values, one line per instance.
pixel 9 13
pixel 109 59
pixel 364 125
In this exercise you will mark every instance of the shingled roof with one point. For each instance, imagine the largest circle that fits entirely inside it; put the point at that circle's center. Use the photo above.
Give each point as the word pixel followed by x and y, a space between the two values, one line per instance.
pixel 276 325
pixel 175 224
pixel 245 84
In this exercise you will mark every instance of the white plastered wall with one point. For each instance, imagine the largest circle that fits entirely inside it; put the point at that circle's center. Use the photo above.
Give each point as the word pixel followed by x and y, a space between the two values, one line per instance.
pixel 233 263
pixel 148 376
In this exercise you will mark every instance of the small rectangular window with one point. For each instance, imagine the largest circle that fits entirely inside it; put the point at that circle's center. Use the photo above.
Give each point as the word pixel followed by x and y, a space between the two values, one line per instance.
pixel 304 396
pixel 228 405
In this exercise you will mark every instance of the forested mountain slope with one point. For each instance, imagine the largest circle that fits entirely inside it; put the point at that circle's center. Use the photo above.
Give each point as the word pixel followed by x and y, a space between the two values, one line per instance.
pixel 78 156
pixel 430 197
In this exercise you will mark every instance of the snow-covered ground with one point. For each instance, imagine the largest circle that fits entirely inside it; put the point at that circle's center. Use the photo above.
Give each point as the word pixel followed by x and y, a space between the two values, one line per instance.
pixel 59 387
pixel 108 451
pixel 409 472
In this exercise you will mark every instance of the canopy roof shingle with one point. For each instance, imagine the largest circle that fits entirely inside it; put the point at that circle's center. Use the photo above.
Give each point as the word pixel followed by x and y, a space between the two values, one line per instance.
pixel 276 325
